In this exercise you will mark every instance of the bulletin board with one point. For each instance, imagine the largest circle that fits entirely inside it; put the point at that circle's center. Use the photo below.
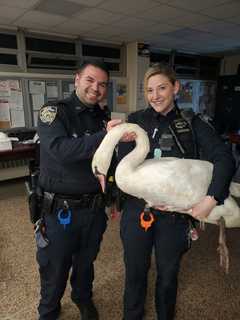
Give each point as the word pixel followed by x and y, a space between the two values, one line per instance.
pixel 11 104
pixel 41 91
pixel 67 88
pixel 44 91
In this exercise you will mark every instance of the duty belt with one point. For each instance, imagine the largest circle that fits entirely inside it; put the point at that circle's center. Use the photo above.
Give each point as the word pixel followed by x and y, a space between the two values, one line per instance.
pixel 172 214
pixel 84 201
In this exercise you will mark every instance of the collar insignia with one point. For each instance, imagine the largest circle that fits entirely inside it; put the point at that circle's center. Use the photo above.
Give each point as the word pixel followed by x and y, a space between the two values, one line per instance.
pixel 180 124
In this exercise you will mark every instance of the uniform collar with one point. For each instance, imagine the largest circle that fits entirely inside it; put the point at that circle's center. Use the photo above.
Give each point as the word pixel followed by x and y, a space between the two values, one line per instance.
pixel 79 106
pixel 169 116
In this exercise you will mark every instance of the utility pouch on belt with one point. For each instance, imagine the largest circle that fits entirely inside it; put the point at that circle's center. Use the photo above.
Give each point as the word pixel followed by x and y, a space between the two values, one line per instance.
pixel 98 201
pixel 47 203
pixel 35 197
pixel 40 236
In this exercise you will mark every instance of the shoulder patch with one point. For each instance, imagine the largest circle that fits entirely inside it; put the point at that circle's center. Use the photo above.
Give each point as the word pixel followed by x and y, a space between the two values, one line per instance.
pixel 48 114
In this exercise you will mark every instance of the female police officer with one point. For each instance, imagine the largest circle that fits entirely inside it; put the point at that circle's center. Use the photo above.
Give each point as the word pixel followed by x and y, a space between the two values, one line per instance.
pixel 170 134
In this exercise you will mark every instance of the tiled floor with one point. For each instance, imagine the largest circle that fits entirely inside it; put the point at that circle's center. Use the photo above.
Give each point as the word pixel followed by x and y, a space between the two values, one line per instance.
pixel 204 291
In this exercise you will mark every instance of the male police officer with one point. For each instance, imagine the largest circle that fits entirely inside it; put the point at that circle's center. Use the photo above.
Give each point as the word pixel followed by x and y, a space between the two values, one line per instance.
pixel 73 216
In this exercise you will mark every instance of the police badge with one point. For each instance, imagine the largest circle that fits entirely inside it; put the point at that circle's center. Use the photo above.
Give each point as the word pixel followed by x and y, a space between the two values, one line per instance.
pixel 48 114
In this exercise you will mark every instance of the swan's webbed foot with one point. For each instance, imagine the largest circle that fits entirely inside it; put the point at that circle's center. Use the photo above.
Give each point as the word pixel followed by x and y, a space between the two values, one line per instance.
pixel 222 248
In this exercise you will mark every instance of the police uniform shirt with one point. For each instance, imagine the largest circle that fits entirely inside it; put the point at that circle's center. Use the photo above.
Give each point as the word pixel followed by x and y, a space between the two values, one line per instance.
pixel 203 136
pixel 70 133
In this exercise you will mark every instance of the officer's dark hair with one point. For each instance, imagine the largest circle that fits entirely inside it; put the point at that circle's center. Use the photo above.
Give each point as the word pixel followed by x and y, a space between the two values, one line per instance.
pixel 95 63
pixel 159 68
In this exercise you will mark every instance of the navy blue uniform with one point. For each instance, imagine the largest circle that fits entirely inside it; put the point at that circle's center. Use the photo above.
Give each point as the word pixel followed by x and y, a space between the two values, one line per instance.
pixel 69 135
pixel 169 234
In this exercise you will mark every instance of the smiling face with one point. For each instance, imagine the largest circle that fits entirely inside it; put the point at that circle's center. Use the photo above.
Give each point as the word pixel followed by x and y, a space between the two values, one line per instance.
pixel 91 85
pixel 160 92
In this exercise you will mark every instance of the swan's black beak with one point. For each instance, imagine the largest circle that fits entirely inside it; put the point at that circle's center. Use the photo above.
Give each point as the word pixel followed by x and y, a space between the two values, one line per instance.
pixel 101 178
pixel 102 181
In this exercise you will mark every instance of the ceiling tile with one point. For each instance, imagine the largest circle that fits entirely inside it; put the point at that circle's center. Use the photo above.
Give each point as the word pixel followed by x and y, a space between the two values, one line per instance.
pixel 76 27
pixel 223 11
pixel 19 3
pixel 167 40
pixel 186 33
pixel 173 24
pixel 195 5
pixel 44 19
pixel 189 20
pixel 220 28
pixel 5 23
pixel 31 25
pixel 235 20
pixel 11 13
pixel 161 28
pixel 59 7
pixel 135 33
pixel 90 3
pixel 104 30
pixel 161 13
pixel 133 23
pixel 98 15
pixel 128 7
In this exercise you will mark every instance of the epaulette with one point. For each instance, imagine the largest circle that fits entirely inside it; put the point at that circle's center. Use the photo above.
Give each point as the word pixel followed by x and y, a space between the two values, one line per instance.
pixel 205 118
pixel 188 115
pixel 139 116
pixel 136 113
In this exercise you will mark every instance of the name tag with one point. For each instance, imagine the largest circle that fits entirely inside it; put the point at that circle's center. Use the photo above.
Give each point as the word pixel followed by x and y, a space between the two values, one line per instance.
pixel 166 142
pixel 157 153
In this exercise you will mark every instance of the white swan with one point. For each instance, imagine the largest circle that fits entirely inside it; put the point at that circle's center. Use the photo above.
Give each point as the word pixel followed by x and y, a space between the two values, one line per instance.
pixel 175 182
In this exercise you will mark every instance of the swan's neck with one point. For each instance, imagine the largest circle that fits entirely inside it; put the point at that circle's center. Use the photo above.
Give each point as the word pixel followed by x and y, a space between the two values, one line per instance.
pixel 103 155
pixel 132 160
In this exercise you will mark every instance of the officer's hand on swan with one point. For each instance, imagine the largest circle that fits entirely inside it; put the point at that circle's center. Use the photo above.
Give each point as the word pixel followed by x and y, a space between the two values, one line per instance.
pixel 203 208
pixel 128 136
pixel 113 123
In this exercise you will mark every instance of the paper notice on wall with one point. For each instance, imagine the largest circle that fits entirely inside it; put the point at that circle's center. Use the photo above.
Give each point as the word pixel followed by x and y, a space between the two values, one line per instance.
pixel 14 84
pixel 71 87
pixel 52 90
pixel 4 111
pixel 66 94
pixel 141 103
pixel 37 101
pixel 16 99
pixel 35 118
pixel 67 88
pixel 17 118
pixel 37 87
pixel 4 88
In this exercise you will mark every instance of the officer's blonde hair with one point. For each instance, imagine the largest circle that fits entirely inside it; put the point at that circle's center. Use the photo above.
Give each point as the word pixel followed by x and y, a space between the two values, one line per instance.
pixel 159 68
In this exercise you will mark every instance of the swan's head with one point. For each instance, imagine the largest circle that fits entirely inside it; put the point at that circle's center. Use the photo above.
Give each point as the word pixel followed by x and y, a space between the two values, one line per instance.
pixel 101 178
pixel 100 164
pixel 102 158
